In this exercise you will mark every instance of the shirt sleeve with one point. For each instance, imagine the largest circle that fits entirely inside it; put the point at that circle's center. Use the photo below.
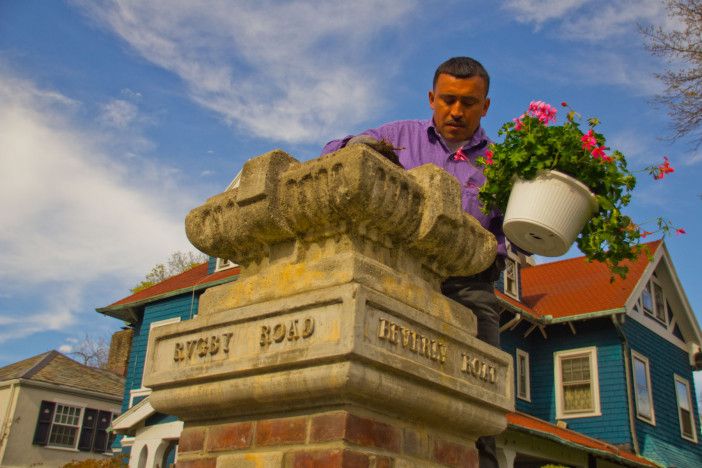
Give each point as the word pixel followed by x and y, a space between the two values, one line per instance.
pixel 386 132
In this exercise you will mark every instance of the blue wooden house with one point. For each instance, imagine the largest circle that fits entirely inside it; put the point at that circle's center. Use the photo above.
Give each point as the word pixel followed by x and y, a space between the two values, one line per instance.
pixel 608 360
pixel 603 370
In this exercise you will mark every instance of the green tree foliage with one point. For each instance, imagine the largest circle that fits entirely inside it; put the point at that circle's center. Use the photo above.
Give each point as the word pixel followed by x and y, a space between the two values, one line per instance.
pixel 681 46
pixel 177 263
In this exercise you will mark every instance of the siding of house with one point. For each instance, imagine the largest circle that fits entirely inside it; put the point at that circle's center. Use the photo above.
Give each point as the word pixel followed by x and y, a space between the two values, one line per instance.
pixel 613 425
pixel 662 442
pixel 20 451
pixel 183 306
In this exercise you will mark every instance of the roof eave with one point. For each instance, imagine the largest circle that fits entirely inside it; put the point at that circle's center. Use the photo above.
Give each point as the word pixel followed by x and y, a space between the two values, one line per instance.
pixel 594 451
pixel 129 312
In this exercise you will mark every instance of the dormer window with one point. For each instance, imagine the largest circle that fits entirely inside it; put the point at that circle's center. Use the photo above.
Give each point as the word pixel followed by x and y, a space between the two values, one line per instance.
pixel 224 264
pixel 511 282
pixel 653 301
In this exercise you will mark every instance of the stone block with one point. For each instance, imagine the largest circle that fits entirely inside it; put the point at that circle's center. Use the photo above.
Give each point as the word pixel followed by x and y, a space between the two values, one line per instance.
pixel 232 436
pixel 192 439
pixel 198 463
pixel 251 460
pixel 455 454
pixel 281 431
pixel 370 433
pixel 335 458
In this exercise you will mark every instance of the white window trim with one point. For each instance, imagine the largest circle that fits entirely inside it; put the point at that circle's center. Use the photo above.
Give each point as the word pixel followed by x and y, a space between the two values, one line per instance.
pixel 594 375
pixel 142 389
pixel 514 295
pixel 223 264
pixel 685 382
pixel 644 359
pixel 79 427
pixel 527 392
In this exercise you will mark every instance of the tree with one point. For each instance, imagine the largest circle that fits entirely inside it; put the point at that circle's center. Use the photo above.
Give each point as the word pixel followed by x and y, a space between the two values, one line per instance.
pixel 91 351
pixel 682 48
pixel 177 263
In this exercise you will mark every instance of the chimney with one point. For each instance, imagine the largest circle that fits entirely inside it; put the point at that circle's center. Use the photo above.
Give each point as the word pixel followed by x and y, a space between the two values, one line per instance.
pixel 120 345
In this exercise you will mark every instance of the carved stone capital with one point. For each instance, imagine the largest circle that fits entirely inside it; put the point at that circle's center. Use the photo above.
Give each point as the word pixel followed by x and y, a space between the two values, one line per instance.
pixel 351 202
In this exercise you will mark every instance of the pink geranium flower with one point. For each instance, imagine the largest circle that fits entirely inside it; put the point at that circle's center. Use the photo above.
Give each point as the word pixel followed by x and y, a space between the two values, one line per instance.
pixel 598 152
pixel 588 140
pixel 488 158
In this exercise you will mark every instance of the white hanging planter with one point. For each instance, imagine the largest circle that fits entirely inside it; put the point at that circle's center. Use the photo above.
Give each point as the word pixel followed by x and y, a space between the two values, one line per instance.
pixel 546 214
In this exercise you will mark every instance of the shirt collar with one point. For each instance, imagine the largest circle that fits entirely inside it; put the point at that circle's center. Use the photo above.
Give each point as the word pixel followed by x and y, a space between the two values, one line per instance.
pixel 478 141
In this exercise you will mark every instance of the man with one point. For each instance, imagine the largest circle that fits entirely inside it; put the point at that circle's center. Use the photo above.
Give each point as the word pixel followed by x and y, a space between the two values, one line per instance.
pixel 453 139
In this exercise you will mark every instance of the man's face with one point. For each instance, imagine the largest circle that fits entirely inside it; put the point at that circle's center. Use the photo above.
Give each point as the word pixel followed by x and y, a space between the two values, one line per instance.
pixel 458 105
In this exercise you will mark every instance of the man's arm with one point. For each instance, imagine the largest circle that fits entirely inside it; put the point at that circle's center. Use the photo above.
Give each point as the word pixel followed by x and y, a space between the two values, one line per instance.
pixel 373 138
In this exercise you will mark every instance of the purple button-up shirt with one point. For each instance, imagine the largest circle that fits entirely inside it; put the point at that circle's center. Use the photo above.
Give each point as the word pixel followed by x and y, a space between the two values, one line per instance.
pixel 419 143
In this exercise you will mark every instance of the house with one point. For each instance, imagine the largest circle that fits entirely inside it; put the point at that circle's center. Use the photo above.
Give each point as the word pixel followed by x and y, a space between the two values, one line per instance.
pixel 612 360
pixel 603 370
pixel 54 410
pixel 149 437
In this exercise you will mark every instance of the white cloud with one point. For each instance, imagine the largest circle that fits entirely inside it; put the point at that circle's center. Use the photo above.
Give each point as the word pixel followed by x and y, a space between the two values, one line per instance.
pixel 538 12
pixel 307 54
pixel 693 159
pixel 72 214
pixel 65 349
pixel 119 113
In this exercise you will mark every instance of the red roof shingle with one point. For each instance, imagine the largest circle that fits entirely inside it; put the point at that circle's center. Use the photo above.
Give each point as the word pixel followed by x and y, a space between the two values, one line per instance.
pixel 575 286
pixel 187 279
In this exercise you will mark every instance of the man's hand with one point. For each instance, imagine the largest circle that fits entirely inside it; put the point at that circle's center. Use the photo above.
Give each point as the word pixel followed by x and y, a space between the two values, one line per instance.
pixel 382 147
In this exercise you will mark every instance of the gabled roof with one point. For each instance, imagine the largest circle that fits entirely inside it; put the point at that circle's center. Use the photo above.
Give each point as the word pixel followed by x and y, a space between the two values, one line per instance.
pixel 576 287
pixel 55 368
pixel 194 279
pixel 535 426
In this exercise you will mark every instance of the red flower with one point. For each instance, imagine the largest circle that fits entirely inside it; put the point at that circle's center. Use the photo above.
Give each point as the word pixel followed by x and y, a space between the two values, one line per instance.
pixel 488 157
pixel 588 140
pixel 598 152
pixel 645 234
pixel 664 168
pixel 680 231
pixel 460 155
pixel 564 104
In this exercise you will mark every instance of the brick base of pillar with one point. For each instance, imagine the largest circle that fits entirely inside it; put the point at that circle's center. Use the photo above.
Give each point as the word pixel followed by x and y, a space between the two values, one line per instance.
pixel 332 439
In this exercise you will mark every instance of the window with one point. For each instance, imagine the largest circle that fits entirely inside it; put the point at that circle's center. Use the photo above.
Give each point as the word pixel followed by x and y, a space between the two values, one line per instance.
pixel 65 426
pixel 511 278
pixel 647 299
pixel 643 392
pixel 659 303
pixel 577 386
pixel 653 301
pixel 685 413
pixel 523 377
pixel 223 264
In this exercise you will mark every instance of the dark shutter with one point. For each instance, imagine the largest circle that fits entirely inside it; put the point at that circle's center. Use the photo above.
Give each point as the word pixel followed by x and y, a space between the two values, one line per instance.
pixel 101 437
pixel 87 431
pixel 46 414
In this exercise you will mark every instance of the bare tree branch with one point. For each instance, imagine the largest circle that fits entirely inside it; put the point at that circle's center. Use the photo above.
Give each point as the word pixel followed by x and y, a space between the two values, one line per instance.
pixel 177 263
pixel 91 351
pixel 682 49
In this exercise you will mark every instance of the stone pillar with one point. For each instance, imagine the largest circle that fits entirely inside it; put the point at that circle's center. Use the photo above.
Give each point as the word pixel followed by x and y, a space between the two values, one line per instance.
pixel 335 347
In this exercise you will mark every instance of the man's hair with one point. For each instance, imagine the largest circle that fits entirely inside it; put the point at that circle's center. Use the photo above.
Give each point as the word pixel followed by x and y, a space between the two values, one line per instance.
pixel 463 67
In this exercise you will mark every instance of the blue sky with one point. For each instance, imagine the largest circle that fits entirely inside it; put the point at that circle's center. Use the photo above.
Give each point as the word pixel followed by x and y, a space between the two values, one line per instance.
pixel 118 117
